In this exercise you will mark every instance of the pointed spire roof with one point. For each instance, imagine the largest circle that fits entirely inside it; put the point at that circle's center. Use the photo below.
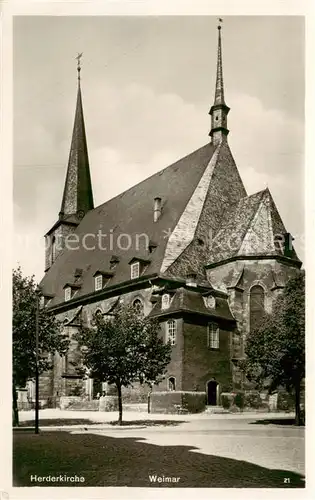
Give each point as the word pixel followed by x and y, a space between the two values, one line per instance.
pixel 77 196
pixel 219 110
pixel 219 86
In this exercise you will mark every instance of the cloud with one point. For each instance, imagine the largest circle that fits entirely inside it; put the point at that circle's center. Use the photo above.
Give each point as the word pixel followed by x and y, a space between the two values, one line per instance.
pixel 133 132
pixel 267 140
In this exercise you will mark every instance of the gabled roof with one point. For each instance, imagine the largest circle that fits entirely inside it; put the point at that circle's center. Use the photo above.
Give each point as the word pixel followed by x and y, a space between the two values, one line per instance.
pixel 249 228
pixel 131 214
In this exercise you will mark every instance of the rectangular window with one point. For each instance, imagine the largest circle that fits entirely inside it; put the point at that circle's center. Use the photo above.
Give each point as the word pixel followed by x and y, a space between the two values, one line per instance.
pixel 67 293
pixel 213 336
pixel 171 331
pixel 135 270
pixel 98 282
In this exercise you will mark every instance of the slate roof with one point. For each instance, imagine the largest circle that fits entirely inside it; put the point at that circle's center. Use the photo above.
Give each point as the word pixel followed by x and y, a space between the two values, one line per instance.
pixel 78 195
pixel 250 227
pixel 129 213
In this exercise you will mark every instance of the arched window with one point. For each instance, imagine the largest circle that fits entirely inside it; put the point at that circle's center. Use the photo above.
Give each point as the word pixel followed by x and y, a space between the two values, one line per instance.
pixel 171 331
pixel 256 306
pixel 138 306
pixel 98 313
pixel 171 384
pixel 165 301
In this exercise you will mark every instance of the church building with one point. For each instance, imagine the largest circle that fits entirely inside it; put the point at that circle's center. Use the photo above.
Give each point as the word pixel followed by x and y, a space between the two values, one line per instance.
pixel 187 246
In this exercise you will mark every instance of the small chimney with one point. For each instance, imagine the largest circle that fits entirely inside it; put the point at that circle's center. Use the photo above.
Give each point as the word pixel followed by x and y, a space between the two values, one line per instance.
pixel 157 208
pixel 191 279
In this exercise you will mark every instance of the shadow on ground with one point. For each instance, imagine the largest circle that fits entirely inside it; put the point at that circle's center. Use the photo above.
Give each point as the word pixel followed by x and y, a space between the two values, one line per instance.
pixel 149 423
pixel 276 421
pixel 108 461
pixel 48 422
pixel 61 422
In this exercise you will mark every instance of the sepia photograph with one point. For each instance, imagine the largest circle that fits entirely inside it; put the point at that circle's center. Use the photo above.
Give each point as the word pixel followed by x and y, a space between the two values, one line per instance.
pixel 158 294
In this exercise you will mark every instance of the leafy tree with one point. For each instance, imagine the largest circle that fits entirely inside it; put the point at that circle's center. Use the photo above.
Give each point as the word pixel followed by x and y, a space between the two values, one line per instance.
pixel 124 349
pixel 25 296
pixel 275 351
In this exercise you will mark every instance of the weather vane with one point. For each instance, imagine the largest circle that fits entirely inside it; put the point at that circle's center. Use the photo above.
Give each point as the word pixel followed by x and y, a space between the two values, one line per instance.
pixel 78 58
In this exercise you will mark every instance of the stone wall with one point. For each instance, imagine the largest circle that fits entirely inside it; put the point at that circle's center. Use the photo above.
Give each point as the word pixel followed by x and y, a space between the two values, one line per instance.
pixel 58 235
pixel 53 383
pixel 201 363
pixel 175 367
pixel 237 278
pixel 177 402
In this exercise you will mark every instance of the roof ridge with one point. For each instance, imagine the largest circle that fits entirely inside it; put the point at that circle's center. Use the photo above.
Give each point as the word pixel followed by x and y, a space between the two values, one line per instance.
pixel 151 176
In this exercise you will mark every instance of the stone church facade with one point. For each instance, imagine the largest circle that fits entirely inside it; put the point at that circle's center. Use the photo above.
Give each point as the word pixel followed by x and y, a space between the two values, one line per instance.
pixel 187 246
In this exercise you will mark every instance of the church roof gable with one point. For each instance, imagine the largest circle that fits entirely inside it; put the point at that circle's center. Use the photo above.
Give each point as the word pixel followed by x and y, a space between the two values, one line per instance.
pixel 127 225
pixel 250 227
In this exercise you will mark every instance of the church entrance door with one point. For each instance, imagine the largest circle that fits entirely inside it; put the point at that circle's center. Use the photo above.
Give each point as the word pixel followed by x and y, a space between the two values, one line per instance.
pixel 212 392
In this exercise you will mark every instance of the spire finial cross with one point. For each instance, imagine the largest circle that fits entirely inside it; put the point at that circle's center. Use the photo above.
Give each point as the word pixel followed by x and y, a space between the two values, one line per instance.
pixel 78 58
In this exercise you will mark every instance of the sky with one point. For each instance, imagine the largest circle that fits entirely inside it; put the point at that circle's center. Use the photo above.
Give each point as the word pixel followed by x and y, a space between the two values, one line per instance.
pixel 147 87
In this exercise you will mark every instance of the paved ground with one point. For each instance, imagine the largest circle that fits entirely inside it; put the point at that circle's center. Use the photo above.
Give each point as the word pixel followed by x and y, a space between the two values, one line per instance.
pixel 249 445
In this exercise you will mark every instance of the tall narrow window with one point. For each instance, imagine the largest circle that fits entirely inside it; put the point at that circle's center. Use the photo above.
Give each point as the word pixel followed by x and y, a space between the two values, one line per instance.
pixel 171 331
pixel 213 336
pixel 67 293
pixel 256 306
pixel 135 270
pixel 53 249
pixel 98 282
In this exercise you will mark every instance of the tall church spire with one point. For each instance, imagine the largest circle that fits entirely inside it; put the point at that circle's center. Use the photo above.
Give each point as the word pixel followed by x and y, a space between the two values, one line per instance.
pixel 219 110
pixel 77 196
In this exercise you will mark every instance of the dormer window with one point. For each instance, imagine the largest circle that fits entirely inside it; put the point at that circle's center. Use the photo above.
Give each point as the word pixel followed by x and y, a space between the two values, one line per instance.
pixel 98 281
pixel 68 293
pixel 135 270
pixel 209 301
pixel 137 267
pixel 70 290
pixel 46 300
pixel 166 300
pixel 101 278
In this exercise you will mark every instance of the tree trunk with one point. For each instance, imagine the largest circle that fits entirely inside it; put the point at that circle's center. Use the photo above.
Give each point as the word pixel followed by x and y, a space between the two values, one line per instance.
pixel 119 403
pixel 15 406
pixel 297 403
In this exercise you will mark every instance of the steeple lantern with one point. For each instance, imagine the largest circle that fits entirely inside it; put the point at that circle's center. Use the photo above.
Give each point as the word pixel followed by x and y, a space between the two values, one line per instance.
pixel 219 110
